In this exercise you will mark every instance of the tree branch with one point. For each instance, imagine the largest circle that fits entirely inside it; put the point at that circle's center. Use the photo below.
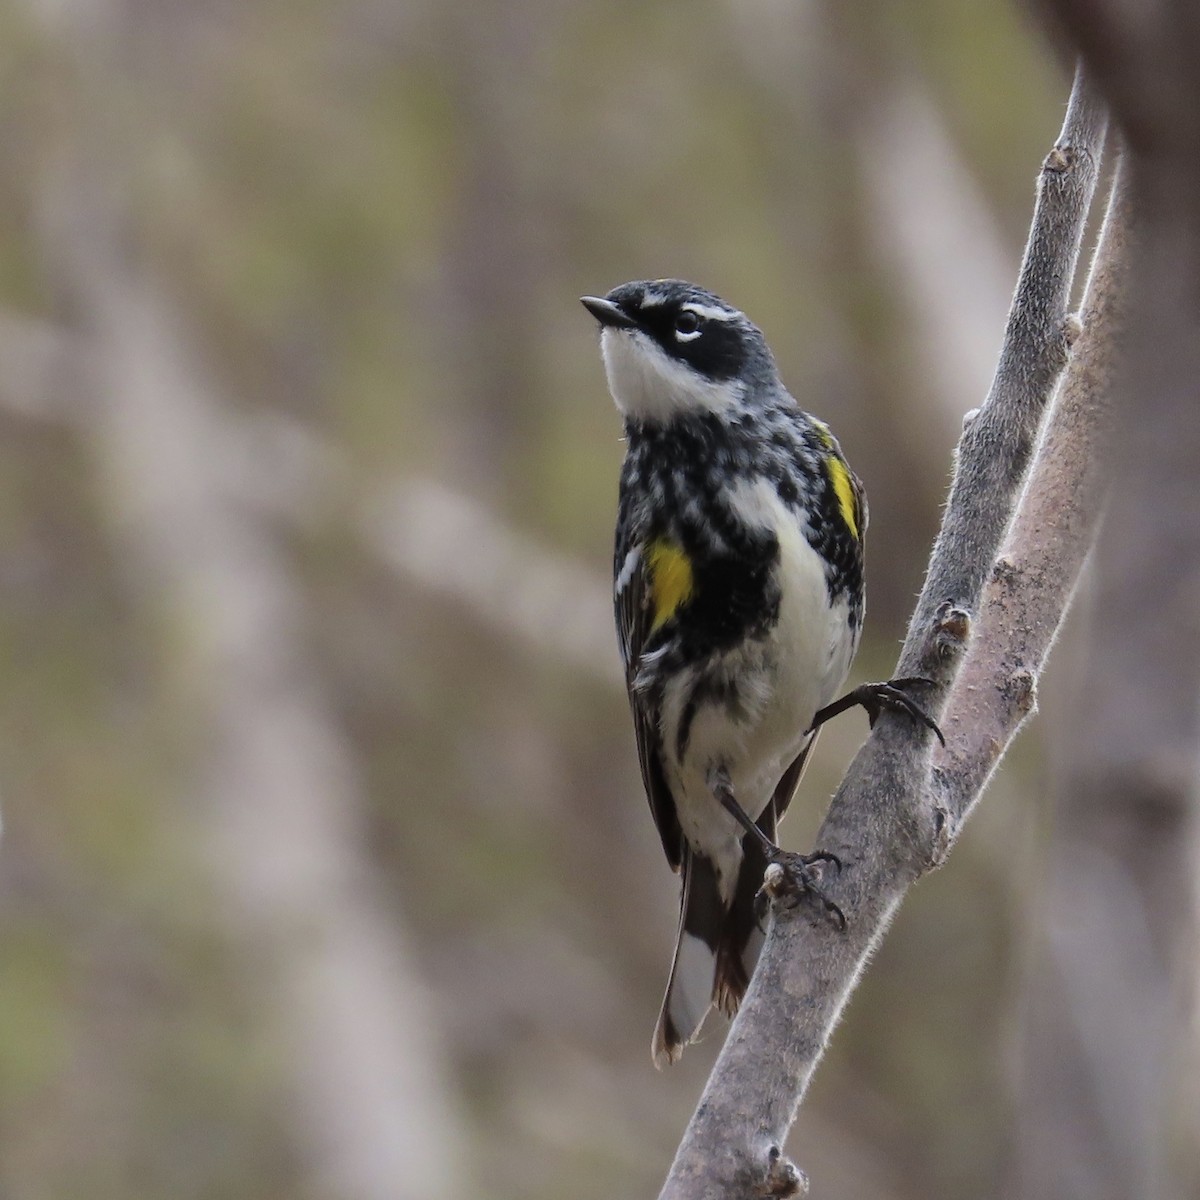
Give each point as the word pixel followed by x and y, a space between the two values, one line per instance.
pixel 998 440
pixel 883 823
pixel 1035 575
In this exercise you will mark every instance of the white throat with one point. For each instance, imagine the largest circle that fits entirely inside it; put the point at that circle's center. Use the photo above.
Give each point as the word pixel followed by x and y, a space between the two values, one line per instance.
pixel 649 385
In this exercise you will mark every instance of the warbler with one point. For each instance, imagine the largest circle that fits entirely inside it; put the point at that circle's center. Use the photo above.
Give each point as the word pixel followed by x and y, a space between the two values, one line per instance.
pixel 738 588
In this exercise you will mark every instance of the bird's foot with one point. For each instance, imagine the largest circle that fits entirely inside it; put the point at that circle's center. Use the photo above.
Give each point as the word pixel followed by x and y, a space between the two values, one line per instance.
pixel 891 695
pixel 792 878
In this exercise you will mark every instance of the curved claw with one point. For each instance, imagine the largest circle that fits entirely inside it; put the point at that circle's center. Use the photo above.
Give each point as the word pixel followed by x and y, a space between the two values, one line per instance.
pixel 801 880
pixel 891 695
pixel 875 697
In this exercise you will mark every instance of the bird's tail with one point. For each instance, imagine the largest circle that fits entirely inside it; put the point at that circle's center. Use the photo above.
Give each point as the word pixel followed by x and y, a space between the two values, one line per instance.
pixel 716 948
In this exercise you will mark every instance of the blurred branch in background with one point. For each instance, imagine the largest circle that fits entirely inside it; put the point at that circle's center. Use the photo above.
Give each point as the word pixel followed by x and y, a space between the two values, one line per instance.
pixel 1110 1051
pixel 454 546
pixel 502 237
pixel 444 540
pixel 274 794
pixel 944 249
pixel 44 368
pixel 272 791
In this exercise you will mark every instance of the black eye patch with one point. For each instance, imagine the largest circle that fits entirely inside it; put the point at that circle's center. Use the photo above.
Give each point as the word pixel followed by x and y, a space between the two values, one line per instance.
pixel 719 353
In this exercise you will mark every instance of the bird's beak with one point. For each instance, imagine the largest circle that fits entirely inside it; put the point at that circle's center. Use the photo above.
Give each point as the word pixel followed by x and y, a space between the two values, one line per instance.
pixel 607 313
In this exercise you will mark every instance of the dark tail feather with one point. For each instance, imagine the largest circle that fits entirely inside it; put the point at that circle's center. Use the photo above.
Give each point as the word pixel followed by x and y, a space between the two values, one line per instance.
pixel 741 937
pixel 716 949
pixel 690 987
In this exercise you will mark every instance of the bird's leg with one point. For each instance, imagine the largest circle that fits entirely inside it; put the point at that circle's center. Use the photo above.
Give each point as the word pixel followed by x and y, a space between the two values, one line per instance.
pixel 799 867
pixel 875 697
pixel 722 789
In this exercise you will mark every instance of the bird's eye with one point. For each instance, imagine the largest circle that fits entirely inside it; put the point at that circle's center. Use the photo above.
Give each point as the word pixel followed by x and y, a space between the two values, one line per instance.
pixel 687 326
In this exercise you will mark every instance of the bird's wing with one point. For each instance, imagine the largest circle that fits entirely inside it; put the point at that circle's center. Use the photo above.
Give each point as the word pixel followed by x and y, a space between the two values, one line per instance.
pixel 862 513
pixel 632 599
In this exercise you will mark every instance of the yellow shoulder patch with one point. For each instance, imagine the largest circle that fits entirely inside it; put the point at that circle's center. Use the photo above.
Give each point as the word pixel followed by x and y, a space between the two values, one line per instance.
pixel 671 580
pixel 843 489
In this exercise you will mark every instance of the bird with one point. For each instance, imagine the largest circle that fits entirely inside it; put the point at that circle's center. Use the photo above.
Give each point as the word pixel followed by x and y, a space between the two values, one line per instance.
pixel 739 600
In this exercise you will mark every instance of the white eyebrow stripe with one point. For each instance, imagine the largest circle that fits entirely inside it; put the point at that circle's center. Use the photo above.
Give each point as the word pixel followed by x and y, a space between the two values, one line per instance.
pixel 709 312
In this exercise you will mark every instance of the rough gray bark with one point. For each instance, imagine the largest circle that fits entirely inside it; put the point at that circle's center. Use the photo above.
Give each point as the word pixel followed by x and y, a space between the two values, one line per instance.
pixel 885 821
pixel 1034 576
pixel 996 444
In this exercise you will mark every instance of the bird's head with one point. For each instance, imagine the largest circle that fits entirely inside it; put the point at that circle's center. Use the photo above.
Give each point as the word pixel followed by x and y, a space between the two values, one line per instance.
pixel 672 349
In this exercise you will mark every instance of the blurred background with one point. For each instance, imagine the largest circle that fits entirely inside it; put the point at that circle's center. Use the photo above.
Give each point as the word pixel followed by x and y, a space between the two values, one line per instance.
pixel 326 868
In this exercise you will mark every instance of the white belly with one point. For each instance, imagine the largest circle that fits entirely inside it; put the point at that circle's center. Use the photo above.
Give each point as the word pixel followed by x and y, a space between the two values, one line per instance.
pixel 781 682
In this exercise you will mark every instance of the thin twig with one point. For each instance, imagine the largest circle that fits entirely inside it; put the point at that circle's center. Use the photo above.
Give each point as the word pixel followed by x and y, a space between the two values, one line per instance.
pixel 882 823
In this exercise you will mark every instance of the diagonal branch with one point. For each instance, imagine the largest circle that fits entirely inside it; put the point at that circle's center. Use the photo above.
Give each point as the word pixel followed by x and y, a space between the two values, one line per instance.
pixel 998 439
pixel 1035 575
pixel 883 823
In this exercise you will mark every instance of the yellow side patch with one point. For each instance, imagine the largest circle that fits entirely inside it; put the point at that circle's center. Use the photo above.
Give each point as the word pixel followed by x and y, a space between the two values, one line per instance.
pixel 671 580
pixel 823 433
pixel 843 489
